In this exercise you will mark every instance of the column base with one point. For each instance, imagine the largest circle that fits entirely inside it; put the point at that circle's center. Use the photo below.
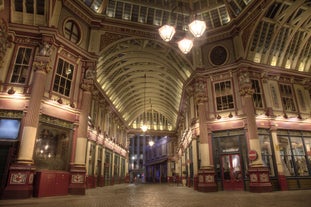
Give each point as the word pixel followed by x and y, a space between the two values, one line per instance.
pixel 206 180
pixel 112 180
pixel 184 181
pixel 90 181
pixel 77 184
pixel 101 181
pixel 282 182
pixel 20 182
pixel 195 183
pixel 259 179
pixel 127 178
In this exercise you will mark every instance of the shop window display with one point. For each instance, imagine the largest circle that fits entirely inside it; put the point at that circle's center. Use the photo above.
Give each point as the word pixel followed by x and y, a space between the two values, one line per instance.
pixel 266 153
pixel 299 156
pixel 293 155
pixel 91 162
pixel 52 149
pixel 308 149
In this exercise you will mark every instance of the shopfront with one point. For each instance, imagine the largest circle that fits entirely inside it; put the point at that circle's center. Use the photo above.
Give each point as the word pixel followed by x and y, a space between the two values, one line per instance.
pixel 229 148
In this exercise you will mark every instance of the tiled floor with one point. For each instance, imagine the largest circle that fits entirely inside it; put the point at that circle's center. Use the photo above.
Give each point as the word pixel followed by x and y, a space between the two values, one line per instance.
pixel 157 195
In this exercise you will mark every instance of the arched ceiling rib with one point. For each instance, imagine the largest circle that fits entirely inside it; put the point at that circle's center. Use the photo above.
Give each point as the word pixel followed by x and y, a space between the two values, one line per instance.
pixel 140 74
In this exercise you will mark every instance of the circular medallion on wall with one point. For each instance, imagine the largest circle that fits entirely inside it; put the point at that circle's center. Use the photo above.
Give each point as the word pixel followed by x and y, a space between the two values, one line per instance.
pixel 218 55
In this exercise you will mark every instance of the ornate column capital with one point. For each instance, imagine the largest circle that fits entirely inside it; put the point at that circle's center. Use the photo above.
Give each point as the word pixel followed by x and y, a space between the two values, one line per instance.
pixel 246 91
pixel 200 91
pixel 245 83
pixel 201 98
pixel 87 85
pixel 42 59
pixel 42 63
pixel 89 77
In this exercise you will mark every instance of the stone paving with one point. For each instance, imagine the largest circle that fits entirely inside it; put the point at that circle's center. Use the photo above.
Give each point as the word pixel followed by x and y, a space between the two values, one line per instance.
pixel 163 195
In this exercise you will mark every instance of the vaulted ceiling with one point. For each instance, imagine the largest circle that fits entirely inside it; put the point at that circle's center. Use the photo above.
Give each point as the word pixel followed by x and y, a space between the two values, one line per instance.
pixel 140 74
pixel 135 84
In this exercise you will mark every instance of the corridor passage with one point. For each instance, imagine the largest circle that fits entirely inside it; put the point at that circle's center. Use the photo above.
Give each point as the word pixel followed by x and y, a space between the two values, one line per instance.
pixel 157 195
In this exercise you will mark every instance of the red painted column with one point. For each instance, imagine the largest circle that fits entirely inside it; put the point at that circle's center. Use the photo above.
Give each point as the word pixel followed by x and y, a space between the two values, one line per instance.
pixel 206 172
pixel 21 173
pixel 258 173
pixel 78 168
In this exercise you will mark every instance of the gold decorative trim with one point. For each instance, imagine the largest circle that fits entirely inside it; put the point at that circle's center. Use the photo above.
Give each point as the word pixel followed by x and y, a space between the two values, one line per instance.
pixel 11 114
pixel 246 91
pixel 56 121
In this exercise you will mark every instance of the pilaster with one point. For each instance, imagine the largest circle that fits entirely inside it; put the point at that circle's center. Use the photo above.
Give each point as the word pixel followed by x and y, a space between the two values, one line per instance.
pixel 258 173
pixel 78 169
pixel 206 172
pixel 21 173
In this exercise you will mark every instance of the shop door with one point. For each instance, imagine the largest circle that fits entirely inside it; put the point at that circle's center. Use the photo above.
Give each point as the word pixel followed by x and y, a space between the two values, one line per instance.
pixel 231 172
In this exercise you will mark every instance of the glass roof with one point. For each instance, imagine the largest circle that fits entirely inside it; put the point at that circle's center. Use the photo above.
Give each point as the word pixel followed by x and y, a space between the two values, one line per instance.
pixel 279 35
pixel 216 13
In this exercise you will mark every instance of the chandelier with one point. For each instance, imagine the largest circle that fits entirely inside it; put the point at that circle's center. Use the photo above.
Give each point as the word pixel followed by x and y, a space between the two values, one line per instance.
pixel 196 28
pixel 144 127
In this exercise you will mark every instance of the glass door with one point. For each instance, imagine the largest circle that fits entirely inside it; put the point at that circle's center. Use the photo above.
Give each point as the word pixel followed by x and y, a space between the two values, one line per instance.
pixel 231 172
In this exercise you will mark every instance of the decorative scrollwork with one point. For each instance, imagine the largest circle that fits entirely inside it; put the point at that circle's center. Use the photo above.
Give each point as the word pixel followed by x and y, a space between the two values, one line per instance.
pixel 244 77
pixel 42 63
pixel 246 91
pixel 87 85
pixel 201 98
pixel 45 49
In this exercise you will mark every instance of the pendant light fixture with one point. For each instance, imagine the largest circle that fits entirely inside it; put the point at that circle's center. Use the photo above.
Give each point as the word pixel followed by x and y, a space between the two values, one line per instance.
pixel 196 28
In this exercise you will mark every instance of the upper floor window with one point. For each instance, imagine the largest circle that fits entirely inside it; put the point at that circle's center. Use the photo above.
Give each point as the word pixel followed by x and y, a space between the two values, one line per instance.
pixel 30 6
pixel 287 97
pixel 21 65
pixel 63 77
pixel 224 95
pixel 72 31
pixel 257 96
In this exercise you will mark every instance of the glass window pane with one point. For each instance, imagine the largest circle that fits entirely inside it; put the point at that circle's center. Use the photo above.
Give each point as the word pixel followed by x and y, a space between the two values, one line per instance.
pixel 286 158
pixel 40 7
pixel 287 97
pixel 266 153
pixel 63 77
pixel 22 65
pixel 299 156
pixel 51 150
pixel 229 144
pixel 19 5
pixel 72 31
pixel 307 142
pixel 224 97
pixel 29 6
